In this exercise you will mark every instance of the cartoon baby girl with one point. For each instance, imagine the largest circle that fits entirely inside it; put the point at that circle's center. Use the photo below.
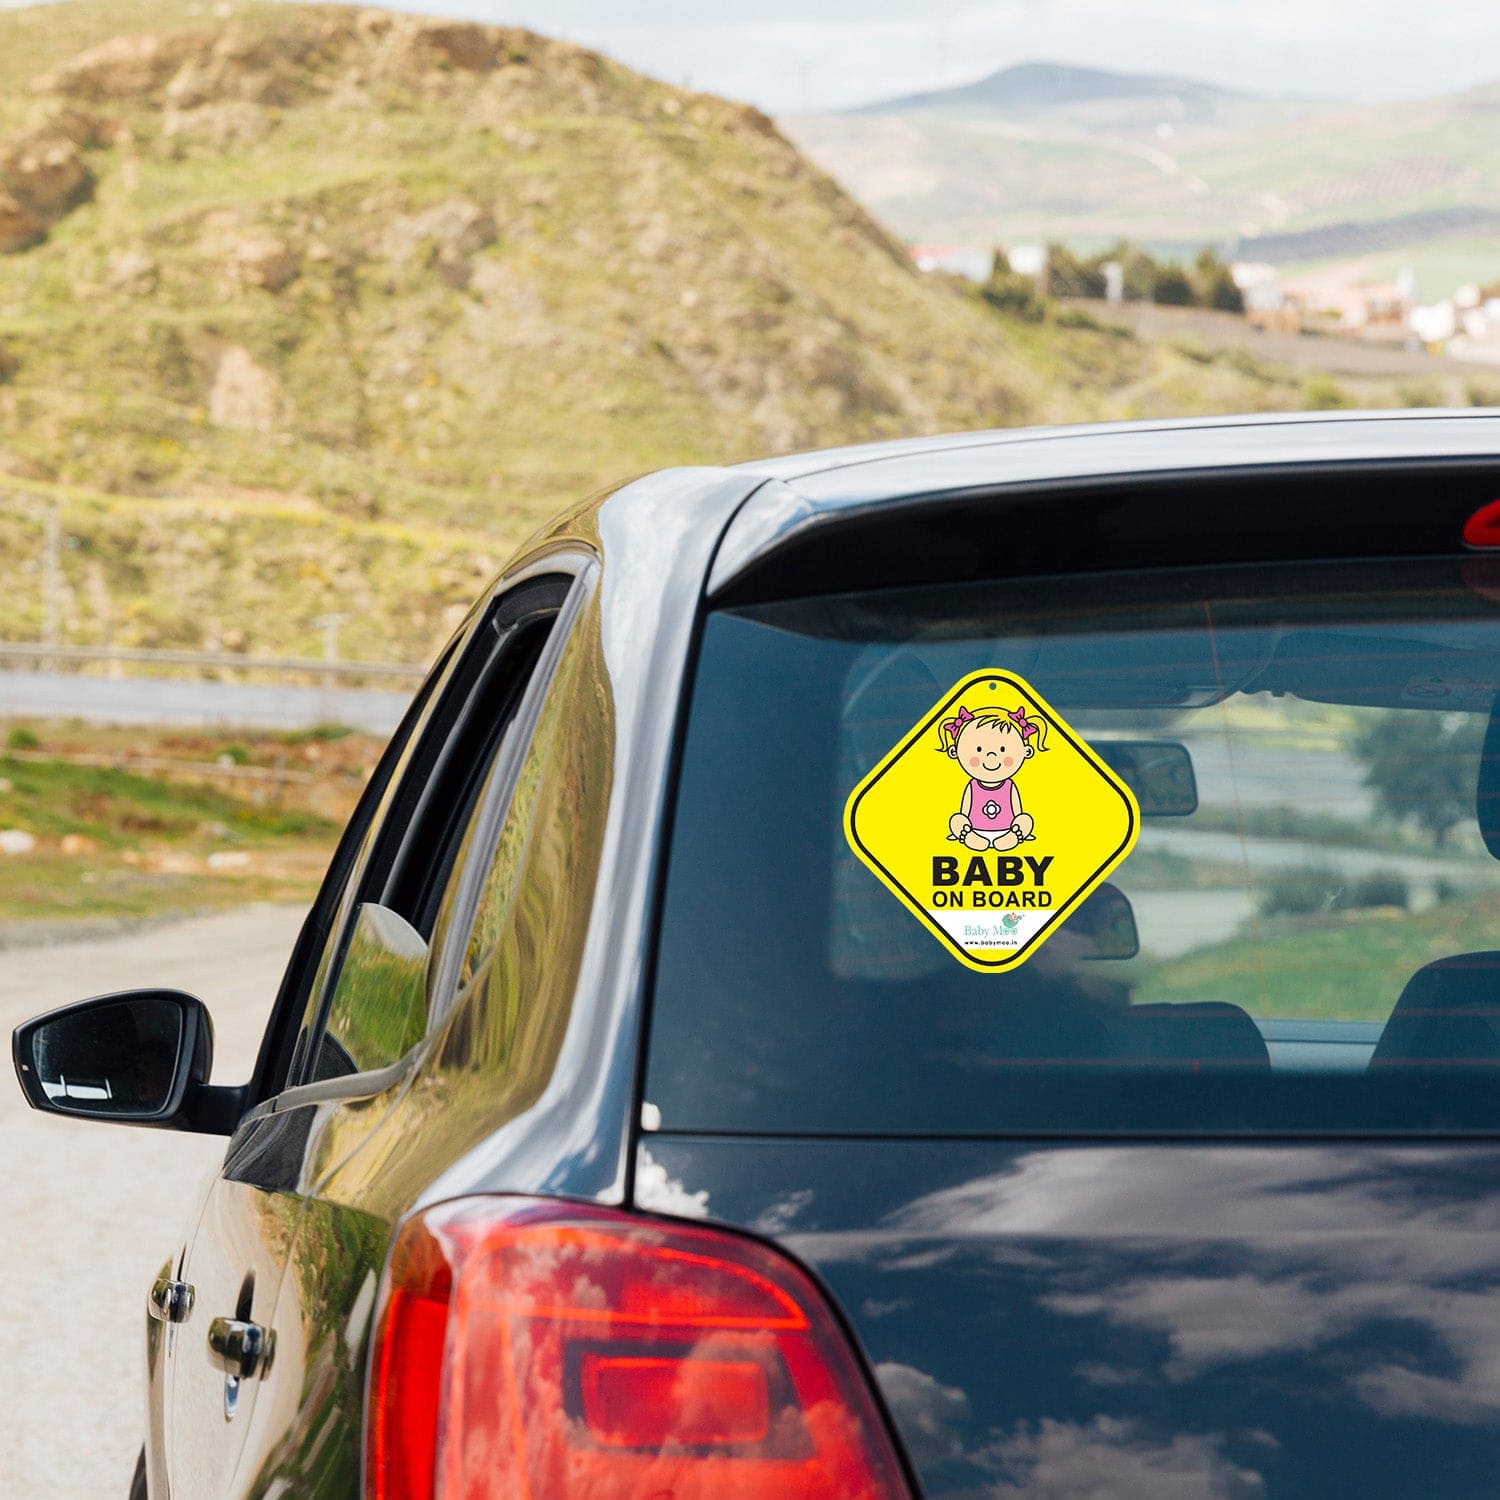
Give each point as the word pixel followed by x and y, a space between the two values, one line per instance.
pixel 992 744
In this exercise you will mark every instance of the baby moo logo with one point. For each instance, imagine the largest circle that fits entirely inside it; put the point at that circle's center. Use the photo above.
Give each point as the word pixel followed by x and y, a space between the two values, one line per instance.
pixel 992 819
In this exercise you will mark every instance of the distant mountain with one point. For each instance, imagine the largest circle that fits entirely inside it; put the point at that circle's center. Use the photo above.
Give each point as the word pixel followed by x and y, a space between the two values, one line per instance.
pixel 1039 87
pixel 1047 151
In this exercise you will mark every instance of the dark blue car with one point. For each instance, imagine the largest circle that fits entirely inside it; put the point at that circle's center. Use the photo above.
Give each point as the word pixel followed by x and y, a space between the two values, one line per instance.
pixel 620 1131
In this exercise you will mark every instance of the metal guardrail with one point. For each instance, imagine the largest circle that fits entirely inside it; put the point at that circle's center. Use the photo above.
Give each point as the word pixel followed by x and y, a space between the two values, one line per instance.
pixel 162 765
pixel 223 661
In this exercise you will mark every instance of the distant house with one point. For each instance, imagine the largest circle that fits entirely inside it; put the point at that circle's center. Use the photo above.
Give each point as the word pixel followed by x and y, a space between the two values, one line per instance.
pixel 956 260
pixel 1364 308
pixel 1268 304
pixel 1381 305
pixel 1434 324
pixel 1477 336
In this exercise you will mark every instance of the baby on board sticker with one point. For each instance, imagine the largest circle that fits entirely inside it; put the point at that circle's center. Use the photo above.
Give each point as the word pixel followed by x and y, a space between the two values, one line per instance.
pixel 994 904
pixel 991 745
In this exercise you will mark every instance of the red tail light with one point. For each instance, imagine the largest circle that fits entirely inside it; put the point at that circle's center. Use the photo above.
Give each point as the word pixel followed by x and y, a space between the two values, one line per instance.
pixel 1482 529
pixel 547 1351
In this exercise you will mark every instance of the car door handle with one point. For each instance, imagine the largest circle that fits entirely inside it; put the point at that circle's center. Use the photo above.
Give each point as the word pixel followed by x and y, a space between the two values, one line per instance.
pixel 170 1301
pixel 241 1350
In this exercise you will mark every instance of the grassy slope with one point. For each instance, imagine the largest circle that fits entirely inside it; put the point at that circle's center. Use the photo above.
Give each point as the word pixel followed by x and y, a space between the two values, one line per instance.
pixel 39 37
pixel 116 836
pixel 138 845
pixel 666 281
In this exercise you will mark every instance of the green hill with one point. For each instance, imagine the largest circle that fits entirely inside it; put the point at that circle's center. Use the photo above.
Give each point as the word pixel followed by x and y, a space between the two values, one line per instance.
pixel 309 309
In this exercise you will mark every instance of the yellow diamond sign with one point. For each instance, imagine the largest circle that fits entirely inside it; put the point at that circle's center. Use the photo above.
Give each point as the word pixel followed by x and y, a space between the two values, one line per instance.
pixel 992 819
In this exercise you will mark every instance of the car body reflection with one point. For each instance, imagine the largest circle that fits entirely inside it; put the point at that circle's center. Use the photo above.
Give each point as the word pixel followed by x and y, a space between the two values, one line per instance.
pixel 1204 1321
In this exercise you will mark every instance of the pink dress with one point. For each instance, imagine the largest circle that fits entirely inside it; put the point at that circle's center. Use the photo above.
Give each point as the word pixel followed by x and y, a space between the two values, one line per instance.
pixel 991 808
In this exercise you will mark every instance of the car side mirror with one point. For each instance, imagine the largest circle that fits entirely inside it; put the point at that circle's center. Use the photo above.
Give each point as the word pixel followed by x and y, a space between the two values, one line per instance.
pixel 140 1057
pixel 1106 923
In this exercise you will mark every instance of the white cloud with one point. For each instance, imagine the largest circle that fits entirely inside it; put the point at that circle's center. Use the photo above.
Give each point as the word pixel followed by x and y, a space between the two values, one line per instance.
pixel 1064 1460
pixel 664 1194
pixel 929 1413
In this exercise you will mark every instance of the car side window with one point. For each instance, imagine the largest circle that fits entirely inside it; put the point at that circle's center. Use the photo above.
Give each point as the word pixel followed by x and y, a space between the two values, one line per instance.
pixel 368 1006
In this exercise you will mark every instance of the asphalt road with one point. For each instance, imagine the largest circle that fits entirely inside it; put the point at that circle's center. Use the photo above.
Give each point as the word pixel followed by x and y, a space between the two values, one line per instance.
pixel 93 1210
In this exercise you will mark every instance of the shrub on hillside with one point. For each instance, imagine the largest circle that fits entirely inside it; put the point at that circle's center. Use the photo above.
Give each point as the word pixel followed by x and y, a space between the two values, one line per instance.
pixel 1324 393
pixel 1305 890
pixel 1419 393
pixel 1012 293
pixel 1300 892
pixel 1383 888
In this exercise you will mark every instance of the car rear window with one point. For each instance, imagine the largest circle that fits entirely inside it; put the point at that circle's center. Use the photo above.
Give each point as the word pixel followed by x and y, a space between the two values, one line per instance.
pixel 1318 934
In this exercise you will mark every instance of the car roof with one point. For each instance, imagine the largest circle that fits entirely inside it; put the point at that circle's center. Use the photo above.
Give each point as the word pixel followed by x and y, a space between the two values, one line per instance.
pixel 1091 449
pixel 811 489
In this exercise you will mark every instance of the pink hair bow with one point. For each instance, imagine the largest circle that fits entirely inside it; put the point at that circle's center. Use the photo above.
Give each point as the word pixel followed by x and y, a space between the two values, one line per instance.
pixel 1018 717
pixel 954 725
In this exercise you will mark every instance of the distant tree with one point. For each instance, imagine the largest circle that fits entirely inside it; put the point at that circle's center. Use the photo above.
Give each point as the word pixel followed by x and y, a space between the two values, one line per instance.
pixel 1171 287
pixel 1146 279
pixel 1069 275
pixel 1424 767
pixel 1139 268
pixel 1213 284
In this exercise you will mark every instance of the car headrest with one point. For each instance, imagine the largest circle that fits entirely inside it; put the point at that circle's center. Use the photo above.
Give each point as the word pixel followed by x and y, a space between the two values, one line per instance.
pixel 1449 1010
pixel 1205 1031
pixel 1487 792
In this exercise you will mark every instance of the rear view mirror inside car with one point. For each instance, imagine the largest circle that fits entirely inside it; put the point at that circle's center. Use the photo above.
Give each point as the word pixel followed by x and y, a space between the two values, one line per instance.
pixel 1158 772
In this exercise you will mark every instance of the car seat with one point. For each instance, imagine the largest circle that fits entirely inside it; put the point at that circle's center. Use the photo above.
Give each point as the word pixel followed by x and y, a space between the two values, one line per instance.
pixel 1448 1012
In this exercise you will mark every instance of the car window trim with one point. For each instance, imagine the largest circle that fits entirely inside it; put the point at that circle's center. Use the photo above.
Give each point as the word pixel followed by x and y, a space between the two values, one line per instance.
pixel 581 568
pixel 454 927
pixel 509 622
pixel 350 1086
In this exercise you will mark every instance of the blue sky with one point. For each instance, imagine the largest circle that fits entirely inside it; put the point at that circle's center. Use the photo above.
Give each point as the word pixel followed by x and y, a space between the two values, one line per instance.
pixel 818 54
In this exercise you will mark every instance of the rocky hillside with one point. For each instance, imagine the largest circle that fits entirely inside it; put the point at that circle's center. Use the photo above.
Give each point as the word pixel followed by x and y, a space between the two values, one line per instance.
pixel 309 309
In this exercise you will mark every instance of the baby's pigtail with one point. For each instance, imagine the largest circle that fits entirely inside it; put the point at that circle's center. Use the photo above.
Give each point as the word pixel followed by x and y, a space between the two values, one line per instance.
pixel 952 727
